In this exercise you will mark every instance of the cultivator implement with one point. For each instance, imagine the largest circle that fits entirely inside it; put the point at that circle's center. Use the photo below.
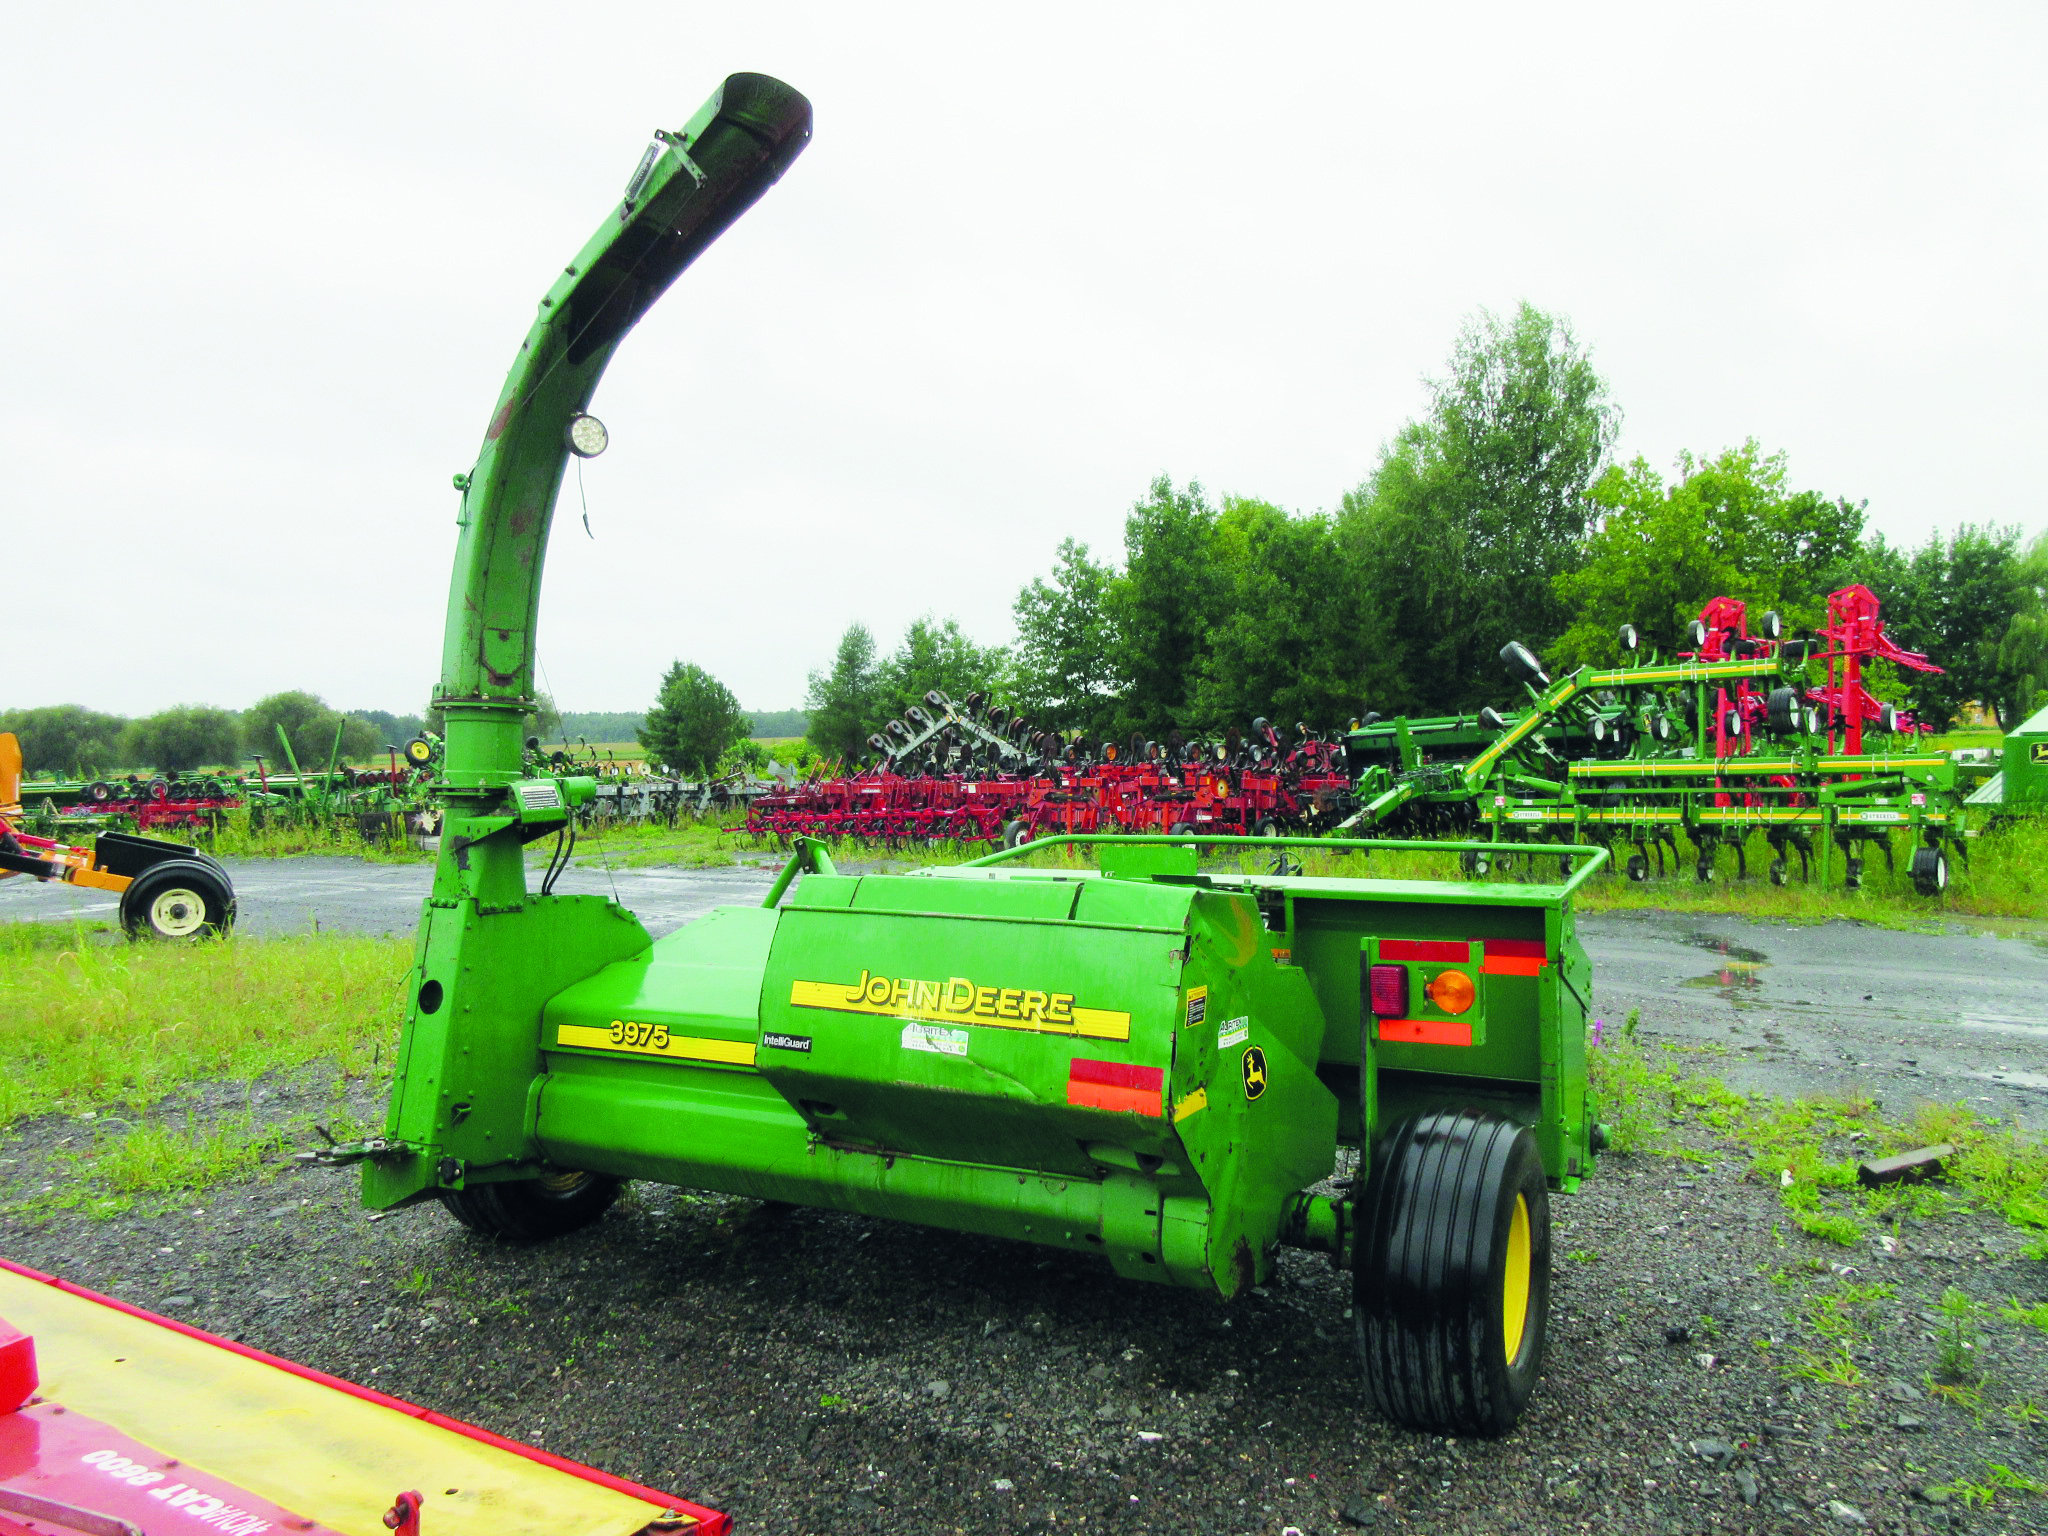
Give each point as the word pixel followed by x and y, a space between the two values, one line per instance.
pixel 958 787
pixel 117 1422
pixel 1744 738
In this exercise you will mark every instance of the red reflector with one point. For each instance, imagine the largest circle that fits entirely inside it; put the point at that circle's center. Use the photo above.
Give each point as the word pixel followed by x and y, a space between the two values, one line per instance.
pixel 1388 986
pixel 1114 1085
pixel 1437 951
pixel 1514 957
pixel 1116 1074
pixel 1426 1031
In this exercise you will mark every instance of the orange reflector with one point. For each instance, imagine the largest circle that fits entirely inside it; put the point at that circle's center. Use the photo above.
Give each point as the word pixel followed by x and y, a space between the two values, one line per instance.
pixel 1452 991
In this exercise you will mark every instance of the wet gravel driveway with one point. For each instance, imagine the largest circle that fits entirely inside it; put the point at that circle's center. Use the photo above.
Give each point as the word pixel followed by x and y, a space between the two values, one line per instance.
pixel 815 1372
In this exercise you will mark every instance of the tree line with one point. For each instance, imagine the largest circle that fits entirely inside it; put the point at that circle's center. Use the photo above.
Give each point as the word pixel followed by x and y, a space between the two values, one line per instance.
pixel 1501 514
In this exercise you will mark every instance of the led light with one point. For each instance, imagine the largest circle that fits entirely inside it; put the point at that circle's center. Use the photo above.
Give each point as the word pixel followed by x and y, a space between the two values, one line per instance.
pixel 1387 987
pixel 587 436
pixel 1452 991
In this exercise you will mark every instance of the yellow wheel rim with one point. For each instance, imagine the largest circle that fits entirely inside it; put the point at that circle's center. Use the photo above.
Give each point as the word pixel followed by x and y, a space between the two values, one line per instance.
pixel 1514 1286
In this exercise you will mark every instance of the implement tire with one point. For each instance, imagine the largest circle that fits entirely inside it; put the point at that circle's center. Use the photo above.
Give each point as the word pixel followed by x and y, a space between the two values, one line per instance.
pixel 1452 1283
pixel 187 898
pixel 533 1210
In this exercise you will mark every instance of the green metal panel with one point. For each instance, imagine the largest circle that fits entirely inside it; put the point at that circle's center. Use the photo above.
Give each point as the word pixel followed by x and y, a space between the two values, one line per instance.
pixel 2026 765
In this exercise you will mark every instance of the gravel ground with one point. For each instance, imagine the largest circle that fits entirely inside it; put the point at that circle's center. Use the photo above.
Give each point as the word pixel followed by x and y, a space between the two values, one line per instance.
pixel 815 1372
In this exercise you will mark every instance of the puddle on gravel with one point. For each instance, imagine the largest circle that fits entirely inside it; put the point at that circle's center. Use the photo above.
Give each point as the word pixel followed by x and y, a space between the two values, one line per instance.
pixel 1741 970
pixel 2013 1079
pixel 1732 981
pixel 1720 946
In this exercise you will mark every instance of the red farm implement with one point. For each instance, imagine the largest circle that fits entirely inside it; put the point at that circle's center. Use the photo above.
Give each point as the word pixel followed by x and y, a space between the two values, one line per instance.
pixel 117 1422
pixel 969 772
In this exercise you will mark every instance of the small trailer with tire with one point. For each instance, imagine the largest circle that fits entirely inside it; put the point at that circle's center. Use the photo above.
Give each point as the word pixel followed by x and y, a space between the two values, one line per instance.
pixel 167 890
pixel 1145 1061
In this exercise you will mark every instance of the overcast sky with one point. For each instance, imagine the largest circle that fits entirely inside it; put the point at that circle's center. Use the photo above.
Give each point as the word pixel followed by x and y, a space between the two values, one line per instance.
pixel 267 265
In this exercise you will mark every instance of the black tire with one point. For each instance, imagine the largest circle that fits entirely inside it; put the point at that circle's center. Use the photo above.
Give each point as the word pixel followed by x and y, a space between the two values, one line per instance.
pixel 1266 827
pixel 1703 869
pixel 99 792
pixel 533 1210
pixel 1930 871
pixel 1852 874
pixel 1452 1284
pixel 1015 834
pixel 1784 709
pixel 1638 868
pixel 179 899
pixel 1778 872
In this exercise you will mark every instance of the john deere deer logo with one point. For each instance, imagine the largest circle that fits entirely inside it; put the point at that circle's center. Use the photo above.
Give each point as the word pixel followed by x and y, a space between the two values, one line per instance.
pixel 1254 1072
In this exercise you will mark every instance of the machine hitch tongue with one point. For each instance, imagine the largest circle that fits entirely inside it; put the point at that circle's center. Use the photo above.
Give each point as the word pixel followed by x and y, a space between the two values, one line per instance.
pixel 403 1517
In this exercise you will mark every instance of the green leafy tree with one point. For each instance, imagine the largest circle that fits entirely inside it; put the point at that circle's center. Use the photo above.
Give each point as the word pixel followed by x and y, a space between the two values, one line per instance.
pixel 310 726
pixel 1069 674
pixel 395 729
pixel 1954 598
pixel 1730 526
pixel 186 737
pixel 938 656
pixel 67 739
pixel 1296 639
pixel 1474 511
pixel 2023 650
pixel 695 719
pixel 1165 604
pixel 846 704
pixel 778 724
pixel 744 756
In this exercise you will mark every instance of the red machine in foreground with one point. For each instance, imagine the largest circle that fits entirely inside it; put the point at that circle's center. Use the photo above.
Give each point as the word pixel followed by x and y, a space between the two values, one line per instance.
pixel 116 1422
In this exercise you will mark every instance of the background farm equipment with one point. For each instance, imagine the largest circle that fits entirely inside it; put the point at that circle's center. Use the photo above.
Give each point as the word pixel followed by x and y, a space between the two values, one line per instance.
pixel 1747 736
pixel 972 772
pixel 167 890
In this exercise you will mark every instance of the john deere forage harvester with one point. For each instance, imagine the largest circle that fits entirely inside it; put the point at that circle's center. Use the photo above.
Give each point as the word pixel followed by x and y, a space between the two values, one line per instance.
pixel 1141 1062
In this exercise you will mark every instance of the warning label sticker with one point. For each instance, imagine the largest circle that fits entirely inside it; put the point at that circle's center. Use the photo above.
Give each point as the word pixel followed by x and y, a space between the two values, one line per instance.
pixel 1198 1006
pixel 1233 1032
pixel 936 1038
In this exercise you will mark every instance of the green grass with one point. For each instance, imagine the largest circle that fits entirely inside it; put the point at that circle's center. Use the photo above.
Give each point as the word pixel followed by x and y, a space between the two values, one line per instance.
pixel 283 839
pixel 640 845
pixel 1996 1480
pixel 85 1024
pixel 1809 1147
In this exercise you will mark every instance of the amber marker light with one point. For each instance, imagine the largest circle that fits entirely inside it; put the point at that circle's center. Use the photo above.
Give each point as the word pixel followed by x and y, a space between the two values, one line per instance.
pixel 1452 991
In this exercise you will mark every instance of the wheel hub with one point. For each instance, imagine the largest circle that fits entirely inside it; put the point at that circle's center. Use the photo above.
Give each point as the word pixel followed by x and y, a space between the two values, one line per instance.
pixel 177 913
pixel 1514 1291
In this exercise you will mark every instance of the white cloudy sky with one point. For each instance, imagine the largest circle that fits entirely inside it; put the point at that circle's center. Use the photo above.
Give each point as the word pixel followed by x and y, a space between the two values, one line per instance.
pixel 266 266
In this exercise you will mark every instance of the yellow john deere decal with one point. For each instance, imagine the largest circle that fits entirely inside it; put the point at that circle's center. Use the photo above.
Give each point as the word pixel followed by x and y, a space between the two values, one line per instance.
pixel 655 1040
pixel 959 1001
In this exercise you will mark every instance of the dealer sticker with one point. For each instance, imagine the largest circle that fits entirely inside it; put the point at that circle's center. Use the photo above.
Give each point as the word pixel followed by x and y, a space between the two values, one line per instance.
pixel 787 1042
pixel 936 1038
pixel 1234 1032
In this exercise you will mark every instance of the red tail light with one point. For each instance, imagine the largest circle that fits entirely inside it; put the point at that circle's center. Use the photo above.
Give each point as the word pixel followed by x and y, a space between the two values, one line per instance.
pixel 1387 986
